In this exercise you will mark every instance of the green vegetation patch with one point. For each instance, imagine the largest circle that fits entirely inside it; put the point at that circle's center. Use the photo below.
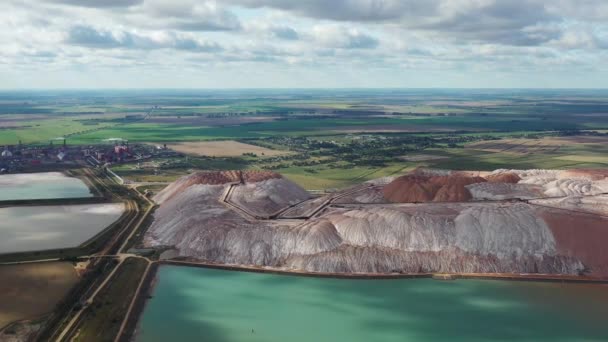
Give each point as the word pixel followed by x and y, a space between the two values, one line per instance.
pixel 104 316
pixel 43 131
pixel 325 178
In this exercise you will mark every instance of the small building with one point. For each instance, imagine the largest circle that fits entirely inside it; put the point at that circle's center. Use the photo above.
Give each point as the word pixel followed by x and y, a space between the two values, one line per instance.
pixel 121 149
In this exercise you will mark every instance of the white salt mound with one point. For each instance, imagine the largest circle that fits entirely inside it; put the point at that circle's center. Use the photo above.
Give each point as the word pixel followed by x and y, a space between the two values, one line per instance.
pixel 503 191
pixel 269 196
pixel 372 237
pixel 504 231
pixel 591 204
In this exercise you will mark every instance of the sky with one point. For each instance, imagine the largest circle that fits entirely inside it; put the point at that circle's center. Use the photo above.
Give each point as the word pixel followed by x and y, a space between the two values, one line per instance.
pixel 48 44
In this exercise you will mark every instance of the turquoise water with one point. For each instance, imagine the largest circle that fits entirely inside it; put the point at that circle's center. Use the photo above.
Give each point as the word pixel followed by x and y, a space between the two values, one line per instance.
pixel 196 304
pixel 45 185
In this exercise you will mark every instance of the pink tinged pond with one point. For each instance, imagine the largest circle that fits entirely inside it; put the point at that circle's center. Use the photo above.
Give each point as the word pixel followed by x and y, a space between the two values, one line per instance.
pixel 33 228
pixel 44 185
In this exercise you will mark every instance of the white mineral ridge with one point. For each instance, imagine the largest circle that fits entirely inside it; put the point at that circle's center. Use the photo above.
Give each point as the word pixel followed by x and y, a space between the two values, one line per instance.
pixel 168 191
pixel 473 237
pixel 370 196
pixel 557 183
pixel 198 225
pixel 268 196
pixel 381 181
pixel 175 217
pixel 433 172
pixel 503 191
pixel 352 259
pixel 306 208
pixel 591 204
pixel 365 195
pixel 492 229
pixel 504 231
pixel 392 228
pixel 575 187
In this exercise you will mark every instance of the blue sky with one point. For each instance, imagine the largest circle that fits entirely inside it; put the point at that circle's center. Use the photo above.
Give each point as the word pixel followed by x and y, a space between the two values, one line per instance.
pixel 303 44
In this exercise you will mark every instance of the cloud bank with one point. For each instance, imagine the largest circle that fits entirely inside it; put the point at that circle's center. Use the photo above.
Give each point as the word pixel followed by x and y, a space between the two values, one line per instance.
pixel 314 43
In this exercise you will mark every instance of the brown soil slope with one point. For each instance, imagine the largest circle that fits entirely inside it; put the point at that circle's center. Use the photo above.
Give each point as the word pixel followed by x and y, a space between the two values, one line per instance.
pixel 506 177
pixel 584 236
pixel 429 188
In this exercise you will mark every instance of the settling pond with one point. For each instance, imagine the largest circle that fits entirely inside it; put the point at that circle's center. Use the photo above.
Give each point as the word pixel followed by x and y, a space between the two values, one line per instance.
pixel 44 185
pixel 196 304
pixel 32 228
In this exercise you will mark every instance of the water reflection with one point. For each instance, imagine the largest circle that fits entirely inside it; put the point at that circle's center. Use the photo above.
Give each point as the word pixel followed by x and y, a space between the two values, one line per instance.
pixel 44 185
pixel 49 227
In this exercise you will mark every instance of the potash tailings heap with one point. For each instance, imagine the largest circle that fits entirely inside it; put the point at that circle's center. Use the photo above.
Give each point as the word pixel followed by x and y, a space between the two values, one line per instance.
pixel 506 221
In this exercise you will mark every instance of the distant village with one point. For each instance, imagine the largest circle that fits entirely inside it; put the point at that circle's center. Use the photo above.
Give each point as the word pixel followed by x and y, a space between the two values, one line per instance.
pixel 22 157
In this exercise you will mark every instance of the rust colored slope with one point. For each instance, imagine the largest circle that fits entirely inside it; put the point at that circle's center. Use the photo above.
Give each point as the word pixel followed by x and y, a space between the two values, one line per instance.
pixel 411 188
pixel 507 177
pixel 583 236
pixel 258 176
pixel 424 188
pixel 453 193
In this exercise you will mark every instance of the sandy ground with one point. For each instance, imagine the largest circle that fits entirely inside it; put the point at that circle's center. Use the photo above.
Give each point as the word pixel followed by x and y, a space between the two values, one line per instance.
pixel 393 129
pixel 229 148
pixel 519 146
pixel 525 146
pixel 20 120
pixel 421 157
pixel 585 158
pixel 31 290
pixel 206 121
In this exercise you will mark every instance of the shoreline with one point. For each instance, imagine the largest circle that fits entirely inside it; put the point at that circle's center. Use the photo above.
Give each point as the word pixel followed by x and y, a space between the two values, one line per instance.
pixel 436 275
pixel 142 297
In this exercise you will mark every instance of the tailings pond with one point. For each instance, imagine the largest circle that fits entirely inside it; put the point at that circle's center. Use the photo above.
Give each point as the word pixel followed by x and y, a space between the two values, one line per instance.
pixel 32 228
pixel 195 304
pixel 44 185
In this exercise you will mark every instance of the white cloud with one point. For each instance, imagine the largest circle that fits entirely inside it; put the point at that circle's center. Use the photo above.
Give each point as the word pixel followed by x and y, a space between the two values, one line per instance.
pixel 186 15
pixel 98 3
pixel 336 36
pixel 90 37
pixel 283 37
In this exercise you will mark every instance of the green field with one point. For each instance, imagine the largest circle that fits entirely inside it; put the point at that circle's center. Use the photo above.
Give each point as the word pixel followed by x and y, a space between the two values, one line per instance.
pixel 336 138
pixel 145 132
pixel 322 178
pixel 45 130
pixel 103 318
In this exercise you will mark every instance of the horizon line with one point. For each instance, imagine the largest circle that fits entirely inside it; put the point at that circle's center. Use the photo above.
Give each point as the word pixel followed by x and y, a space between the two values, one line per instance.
pixel 298 88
